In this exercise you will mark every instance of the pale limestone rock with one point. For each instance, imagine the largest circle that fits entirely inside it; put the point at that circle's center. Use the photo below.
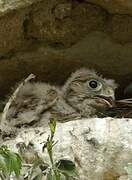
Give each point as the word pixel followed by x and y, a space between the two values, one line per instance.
pixel 101 148
pixel 8 5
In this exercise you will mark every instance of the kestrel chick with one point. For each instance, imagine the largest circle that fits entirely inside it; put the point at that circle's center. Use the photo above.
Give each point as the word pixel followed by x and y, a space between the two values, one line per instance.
pixel 88 93
pixel 85 94
pixel 35 105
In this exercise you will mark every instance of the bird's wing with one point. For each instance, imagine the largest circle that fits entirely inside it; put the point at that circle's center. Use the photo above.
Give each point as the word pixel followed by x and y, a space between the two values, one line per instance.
pixel 29 105
pixel 64 112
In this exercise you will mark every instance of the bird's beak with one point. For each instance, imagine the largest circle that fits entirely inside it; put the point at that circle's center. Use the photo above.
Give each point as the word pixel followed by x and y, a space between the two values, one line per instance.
pixel 107 100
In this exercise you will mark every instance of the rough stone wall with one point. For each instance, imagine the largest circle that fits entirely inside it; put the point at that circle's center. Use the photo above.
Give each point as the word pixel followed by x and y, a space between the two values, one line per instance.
pixel 52 38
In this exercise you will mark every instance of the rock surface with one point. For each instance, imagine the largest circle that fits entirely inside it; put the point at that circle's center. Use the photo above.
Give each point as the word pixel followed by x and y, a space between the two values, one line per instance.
pixel 101 148
pixel 52 38
pixel 115 6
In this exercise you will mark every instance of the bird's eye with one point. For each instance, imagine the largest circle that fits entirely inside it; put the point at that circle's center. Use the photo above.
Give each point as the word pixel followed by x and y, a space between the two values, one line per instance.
pixel 95 85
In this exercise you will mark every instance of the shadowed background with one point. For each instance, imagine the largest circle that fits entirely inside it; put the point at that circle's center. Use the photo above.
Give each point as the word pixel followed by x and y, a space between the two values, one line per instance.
pixel 52 38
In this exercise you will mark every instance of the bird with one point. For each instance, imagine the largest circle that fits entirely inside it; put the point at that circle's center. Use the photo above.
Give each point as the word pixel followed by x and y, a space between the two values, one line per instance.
pixel 89 93
pixel 84 94
pixel 35 104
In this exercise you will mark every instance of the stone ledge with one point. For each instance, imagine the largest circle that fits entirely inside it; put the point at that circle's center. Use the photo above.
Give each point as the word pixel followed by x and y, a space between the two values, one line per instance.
pixel 101 148
pixel 10 5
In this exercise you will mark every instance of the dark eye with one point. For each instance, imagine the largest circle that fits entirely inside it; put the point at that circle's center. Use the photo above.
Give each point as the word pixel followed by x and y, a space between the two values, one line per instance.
pixel 93 84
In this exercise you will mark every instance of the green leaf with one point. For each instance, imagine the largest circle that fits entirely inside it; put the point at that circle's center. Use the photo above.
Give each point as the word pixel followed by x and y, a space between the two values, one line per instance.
pixel 67 168
pixel 12 161
pixel 52 126
pixel 49 149
pixel 16 164
pixel 3 166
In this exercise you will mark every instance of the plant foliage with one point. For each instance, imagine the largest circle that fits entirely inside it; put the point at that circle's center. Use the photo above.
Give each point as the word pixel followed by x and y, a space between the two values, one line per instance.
pixel 10 163
pixel 55 170
pixel 11 166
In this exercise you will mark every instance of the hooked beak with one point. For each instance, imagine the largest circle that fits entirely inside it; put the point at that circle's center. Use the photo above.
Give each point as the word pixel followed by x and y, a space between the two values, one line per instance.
pixel 108 100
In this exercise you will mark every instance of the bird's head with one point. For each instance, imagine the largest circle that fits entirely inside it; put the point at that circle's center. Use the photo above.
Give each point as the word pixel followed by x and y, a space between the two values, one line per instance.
pixel 87 85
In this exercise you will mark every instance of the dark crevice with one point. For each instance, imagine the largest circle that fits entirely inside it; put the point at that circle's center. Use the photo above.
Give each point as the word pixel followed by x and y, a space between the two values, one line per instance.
pixel 25 26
